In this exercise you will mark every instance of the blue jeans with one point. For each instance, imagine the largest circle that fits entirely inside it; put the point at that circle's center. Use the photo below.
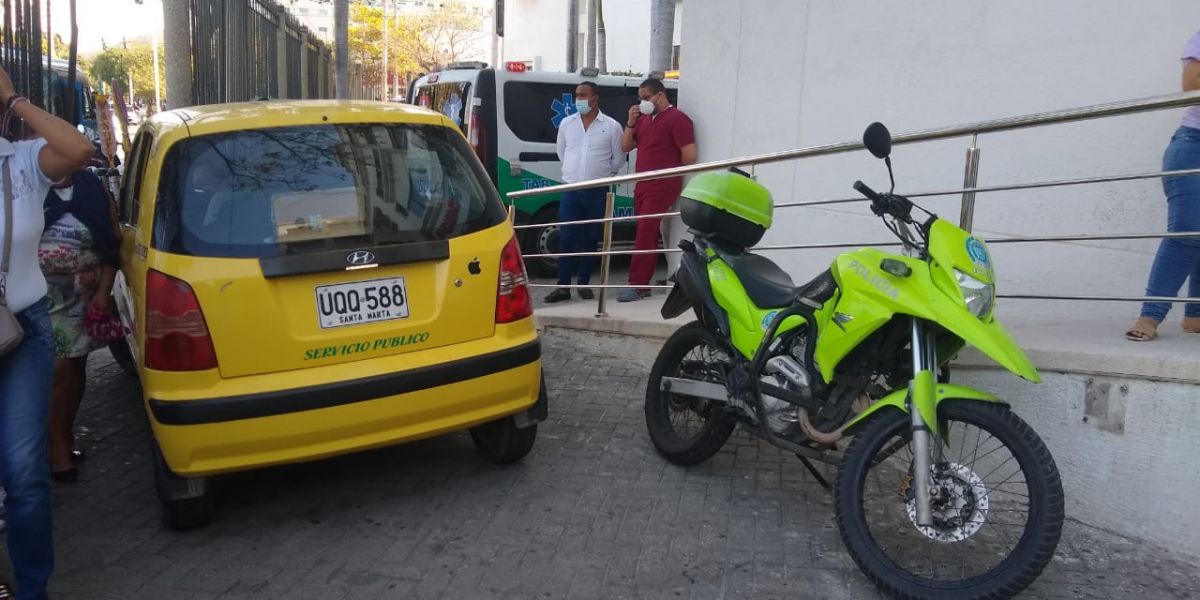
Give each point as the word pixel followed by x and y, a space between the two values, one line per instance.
pixel 577 206
pixel 1178 258
pixel 25 375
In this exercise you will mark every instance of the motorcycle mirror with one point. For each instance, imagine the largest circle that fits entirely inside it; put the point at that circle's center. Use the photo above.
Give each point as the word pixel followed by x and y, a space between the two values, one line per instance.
pixel 878 140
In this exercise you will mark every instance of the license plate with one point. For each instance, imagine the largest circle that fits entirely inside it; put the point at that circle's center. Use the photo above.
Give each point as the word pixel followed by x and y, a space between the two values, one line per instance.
pixel 361 302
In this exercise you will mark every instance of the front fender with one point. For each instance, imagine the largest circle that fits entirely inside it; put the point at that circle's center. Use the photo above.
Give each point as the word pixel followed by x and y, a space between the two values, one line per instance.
pixel 990 338
pixel 871 297
pixel 899 399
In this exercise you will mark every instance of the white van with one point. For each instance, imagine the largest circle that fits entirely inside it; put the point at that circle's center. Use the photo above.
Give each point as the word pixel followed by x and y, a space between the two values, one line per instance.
pixel 511 118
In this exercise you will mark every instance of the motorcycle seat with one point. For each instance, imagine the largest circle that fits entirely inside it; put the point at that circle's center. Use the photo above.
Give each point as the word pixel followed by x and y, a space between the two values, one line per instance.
pixel 769 286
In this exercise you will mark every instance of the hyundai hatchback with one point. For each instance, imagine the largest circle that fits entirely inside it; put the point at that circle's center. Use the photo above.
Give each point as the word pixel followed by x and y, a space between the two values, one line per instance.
pixel 305 279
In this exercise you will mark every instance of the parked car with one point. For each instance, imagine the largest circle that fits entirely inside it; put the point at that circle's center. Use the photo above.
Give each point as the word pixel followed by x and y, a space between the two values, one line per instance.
pixel 511 117
pixel 305 279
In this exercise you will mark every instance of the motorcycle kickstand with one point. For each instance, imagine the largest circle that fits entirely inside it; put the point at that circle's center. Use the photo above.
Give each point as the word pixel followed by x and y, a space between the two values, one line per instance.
pixel 815 473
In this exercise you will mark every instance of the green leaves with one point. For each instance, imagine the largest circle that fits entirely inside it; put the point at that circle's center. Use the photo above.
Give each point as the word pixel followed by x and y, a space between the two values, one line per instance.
pixel 116 63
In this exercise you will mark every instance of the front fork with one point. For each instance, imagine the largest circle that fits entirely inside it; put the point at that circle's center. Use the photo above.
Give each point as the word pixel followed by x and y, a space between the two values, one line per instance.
pixel 922 397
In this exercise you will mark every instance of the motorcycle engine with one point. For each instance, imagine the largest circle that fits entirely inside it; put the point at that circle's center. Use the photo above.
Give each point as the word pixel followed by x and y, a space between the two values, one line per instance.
pixel 782 418
pixel 786 371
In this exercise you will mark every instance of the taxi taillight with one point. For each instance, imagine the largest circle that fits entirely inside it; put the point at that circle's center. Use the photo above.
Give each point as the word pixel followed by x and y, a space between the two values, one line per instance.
pixel 177 337
pixel 512 296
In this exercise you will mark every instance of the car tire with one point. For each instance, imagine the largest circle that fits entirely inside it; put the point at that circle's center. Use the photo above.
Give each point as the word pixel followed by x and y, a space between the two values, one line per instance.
pixel 121 353
pixel 192 513
pixel 181 513
pixel 502 442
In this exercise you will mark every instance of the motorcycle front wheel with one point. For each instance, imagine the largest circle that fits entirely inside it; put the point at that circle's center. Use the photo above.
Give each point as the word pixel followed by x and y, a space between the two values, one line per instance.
pixel 687 430
pixel 997 504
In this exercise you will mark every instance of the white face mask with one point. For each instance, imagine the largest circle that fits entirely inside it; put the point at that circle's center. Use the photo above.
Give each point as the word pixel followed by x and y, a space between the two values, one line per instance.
pixel 647 107
pixel 583 107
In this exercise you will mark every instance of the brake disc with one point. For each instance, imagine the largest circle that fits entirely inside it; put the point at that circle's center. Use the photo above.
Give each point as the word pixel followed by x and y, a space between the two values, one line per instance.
pixel 963 510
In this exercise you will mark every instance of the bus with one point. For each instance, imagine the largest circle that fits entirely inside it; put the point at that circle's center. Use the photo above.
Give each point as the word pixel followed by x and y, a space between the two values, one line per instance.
pixel 54 90
pixel 57 96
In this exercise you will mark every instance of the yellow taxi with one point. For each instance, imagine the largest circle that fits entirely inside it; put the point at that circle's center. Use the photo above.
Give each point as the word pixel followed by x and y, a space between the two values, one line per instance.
pixel 305 279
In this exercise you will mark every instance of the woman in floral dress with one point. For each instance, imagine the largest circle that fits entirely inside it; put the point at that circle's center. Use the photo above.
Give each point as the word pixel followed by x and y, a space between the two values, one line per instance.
pixel 78 254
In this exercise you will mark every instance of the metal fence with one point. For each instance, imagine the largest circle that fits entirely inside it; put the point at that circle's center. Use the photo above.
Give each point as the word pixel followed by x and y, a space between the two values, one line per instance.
pixel 208 52
pixel 292 62
pixel 314 69
pixel 263 72
pixel 250 49
pixel 968 192
pixel 22 53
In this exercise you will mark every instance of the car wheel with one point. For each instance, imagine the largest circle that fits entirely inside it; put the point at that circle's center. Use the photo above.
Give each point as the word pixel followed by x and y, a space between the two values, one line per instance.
pixel 502 442
pixel 186 503
pixel 121 353
pixel 191 513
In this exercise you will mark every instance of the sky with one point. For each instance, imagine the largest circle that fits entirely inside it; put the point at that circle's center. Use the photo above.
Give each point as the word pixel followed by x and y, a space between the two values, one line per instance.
pixel 106 21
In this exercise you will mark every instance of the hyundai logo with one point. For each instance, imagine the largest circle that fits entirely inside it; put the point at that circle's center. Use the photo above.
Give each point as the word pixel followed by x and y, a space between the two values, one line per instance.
pixel 360 257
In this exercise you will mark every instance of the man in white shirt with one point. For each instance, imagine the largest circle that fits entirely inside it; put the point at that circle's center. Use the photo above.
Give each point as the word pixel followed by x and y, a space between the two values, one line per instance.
pixel 589 146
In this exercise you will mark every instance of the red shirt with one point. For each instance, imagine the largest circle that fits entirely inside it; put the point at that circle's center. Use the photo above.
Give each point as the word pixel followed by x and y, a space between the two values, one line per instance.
pixel 660 137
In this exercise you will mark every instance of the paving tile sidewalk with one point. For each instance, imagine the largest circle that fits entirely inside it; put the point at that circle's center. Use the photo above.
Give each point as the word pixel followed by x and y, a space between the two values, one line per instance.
pixel 592 513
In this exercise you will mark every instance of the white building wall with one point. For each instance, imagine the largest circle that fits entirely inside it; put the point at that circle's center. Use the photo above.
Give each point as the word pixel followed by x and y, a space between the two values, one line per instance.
pixel 767 75
pixel 535 30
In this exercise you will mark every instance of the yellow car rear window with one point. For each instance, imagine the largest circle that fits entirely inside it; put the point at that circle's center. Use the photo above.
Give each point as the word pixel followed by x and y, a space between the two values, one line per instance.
pixel 274 192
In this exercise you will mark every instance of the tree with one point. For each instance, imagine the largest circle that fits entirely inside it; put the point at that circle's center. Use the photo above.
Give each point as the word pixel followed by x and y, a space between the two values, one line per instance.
pixel 601 38
pixel 62 50
pixel 177 48
pixel 341 50
pixel 365 39
pixel 572 35
pixel 115 64
pixel 416 43
pixel 590 53
pixel 441 37
pixel 662 32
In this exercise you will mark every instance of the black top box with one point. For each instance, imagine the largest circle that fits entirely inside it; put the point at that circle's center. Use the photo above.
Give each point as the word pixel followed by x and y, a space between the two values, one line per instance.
pixel 713 222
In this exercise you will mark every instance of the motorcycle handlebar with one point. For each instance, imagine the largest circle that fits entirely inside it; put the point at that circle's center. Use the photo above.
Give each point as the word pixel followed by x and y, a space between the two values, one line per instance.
pixel 879 204
pixel 886 204
pixel 862 188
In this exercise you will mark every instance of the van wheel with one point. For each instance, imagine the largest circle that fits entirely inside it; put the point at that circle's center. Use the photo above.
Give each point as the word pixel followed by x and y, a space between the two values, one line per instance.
pixel 186 503
pixel 543 240
pixel 502 442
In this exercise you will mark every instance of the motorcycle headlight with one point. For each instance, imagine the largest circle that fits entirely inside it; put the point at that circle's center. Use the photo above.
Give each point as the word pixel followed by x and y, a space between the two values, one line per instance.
pixel 980 296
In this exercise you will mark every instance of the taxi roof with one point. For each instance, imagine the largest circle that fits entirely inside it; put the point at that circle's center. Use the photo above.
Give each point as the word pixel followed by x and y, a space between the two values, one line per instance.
pixel 219 118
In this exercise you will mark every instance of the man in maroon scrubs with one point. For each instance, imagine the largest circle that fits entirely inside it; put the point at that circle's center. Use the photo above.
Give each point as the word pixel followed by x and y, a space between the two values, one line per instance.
pixel 664 138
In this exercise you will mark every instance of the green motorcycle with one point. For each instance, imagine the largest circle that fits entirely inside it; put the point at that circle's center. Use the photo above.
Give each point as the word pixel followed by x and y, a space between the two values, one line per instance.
pixel 942 491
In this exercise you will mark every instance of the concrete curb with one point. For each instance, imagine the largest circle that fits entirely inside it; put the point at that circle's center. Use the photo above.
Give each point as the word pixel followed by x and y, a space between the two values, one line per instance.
pixel 1086 346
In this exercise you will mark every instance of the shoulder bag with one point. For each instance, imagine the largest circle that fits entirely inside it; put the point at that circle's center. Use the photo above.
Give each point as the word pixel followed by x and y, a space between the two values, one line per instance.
pixel 11 332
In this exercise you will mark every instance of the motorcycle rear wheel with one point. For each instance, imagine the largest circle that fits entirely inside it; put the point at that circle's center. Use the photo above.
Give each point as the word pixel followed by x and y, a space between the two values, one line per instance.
pixel 997 523
pixel 686 430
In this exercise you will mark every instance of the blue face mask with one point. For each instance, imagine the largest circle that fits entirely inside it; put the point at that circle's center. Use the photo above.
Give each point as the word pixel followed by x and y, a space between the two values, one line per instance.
pixel 583 107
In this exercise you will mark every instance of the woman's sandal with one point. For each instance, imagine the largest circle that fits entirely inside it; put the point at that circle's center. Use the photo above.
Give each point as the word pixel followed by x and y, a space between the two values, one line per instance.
pixel 1144 330
pixel 1191 324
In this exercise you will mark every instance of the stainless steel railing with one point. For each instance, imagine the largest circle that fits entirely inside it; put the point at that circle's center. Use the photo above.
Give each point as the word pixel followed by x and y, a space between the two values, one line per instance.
pixel 968 192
